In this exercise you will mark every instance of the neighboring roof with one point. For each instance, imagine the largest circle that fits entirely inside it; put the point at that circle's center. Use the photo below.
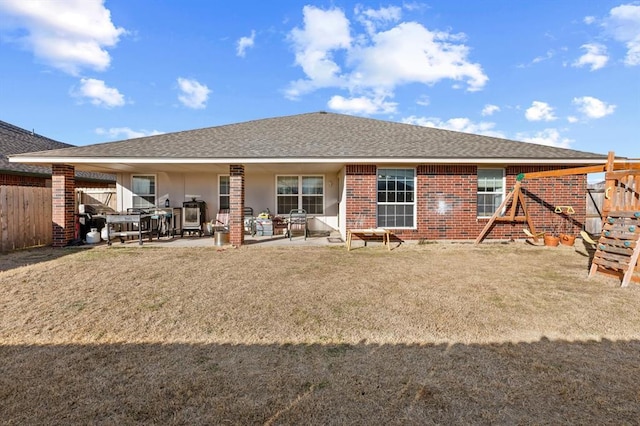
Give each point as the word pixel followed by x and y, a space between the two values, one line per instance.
pixel 15 140
pixel 315 136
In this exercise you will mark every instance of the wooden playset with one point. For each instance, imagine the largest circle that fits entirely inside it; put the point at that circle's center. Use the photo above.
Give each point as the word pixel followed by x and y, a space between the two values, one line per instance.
pixel 618 248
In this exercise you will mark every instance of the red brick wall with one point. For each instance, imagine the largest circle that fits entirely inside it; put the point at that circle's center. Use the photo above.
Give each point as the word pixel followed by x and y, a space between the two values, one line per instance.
pixel 446 203
pixel 236 204
pixel 446 197
pixel 43 182
pixel 22 180
pixel 544 194
pixel 361 200
pixel 63 198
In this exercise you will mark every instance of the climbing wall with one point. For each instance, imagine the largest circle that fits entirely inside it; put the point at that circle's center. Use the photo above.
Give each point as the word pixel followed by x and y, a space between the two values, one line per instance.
pixel 619 246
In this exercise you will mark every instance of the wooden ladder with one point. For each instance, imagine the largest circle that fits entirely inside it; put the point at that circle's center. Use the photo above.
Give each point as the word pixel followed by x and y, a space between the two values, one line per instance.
pixel 618 248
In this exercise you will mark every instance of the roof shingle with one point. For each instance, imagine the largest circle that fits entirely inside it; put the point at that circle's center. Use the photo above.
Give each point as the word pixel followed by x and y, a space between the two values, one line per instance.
pixel 320 135
pixel 15 140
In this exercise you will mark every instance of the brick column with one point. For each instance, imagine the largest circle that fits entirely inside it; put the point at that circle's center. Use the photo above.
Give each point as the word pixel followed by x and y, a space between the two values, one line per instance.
pixel 361 187
pixel 63 187
pixel 236 204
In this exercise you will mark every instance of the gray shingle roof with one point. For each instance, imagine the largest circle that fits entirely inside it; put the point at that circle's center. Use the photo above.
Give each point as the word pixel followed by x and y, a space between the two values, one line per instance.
pixel 320 135
pixel 15 140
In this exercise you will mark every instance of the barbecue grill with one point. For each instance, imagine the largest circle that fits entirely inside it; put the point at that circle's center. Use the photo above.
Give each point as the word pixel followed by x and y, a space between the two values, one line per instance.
pixel 193 216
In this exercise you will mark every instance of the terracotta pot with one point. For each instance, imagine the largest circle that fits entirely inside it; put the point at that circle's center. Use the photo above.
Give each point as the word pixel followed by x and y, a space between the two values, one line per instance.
pixel 551 240
pixel 567 240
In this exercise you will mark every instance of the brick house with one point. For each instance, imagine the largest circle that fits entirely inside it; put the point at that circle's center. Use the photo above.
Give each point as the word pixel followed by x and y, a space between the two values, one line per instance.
pixel 346 172
pixel 15 140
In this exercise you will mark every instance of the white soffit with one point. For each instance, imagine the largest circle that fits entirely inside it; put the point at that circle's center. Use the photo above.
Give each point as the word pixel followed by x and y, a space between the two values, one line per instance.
pixel 112 160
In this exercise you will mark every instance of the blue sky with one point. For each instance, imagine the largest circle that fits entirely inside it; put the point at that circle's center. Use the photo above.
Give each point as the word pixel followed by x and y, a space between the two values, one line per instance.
pixel 563 73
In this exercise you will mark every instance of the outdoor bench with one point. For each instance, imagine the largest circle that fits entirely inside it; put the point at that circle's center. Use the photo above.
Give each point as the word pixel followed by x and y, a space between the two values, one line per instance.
pixel 363 233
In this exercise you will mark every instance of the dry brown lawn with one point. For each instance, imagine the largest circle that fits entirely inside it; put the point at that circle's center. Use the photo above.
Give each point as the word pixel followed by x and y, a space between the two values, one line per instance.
pixel 424 334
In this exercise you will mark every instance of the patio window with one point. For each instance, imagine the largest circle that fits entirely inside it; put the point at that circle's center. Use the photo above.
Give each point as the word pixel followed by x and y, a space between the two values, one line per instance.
pixel 143 188
pixel 224 192
pixel 490 191
pixel 300 192
pixel 396 198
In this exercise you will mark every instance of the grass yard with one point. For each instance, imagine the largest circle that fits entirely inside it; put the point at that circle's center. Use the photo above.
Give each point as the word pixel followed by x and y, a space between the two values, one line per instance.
pixel 424 334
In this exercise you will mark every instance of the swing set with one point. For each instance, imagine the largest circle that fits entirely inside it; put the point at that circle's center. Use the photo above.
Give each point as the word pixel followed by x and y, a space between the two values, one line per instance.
pixel 618 248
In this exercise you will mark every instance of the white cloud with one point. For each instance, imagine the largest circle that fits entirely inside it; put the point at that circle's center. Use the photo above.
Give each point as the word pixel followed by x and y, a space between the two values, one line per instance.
pixel 373 19
pixel 623 23
pixel 362 105
pixel 539 111
pixel 98 93
pixel 323 32
pixel 592 107
pixel 423 100
pixel 595 56
pixel 550 54
pixel 126 133
pixel 415 5
pixel 193 94
pixel 410 53
pixel 572 119
pixel 457 124
pixel 490 109
pixel 69 35
pixel 549 137
pixel 377 60
pixel 589 20
pixel 244 43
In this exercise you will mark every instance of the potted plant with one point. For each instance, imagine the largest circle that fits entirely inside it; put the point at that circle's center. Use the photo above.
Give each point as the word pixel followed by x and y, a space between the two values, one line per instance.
pixel 551 237
pixel 551 240
pixel 567 239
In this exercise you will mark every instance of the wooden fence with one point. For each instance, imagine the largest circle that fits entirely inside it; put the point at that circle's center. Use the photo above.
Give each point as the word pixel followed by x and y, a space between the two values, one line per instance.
pixel 25 214
pixel 25 217
pixel 595 200
pixel 105 196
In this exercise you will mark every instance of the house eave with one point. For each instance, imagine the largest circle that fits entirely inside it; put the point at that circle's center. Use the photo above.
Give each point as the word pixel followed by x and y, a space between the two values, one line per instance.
pixel 308 160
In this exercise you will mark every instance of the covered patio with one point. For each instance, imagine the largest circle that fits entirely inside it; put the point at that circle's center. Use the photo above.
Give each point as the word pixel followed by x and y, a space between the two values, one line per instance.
pixel 313 240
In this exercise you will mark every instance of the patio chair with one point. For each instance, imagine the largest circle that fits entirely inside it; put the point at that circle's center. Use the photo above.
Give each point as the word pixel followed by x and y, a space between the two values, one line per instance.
pixel 221 222
pixel 297 222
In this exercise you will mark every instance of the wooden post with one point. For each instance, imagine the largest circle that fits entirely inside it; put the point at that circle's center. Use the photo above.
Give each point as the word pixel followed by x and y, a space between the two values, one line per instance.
pixel 497 213
pixel 609 186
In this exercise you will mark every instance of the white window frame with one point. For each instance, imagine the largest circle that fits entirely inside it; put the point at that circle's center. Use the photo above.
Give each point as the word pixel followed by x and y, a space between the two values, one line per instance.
pixel 220 194
pixel 501 193
pixel 300 195
pixel 386 203
pixel 155 186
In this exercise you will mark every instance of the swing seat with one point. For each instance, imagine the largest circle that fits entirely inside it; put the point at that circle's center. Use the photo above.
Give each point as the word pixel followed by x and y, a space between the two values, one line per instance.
pixel 529 234
pixel 587 238
pixel 531 237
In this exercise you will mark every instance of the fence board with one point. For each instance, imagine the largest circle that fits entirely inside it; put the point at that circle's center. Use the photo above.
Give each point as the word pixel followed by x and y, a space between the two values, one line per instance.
pixel 25 217
pixel 595 199
pixel 4 223
pixel 106 196
pixel 19 217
